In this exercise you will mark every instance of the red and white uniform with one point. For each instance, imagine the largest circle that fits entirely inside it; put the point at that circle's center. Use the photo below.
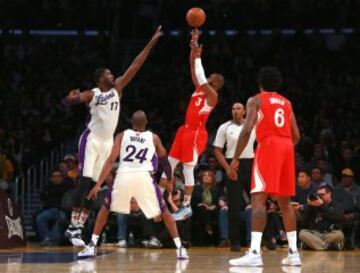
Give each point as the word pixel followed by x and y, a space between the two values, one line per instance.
pixel 274 164
pixel 191 138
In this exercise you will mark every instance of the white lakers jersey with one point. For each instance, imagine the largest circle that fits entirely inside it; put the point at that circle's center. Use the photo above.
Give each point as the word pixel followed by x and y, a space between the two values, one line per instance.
pixel 104 110
pixel 137 152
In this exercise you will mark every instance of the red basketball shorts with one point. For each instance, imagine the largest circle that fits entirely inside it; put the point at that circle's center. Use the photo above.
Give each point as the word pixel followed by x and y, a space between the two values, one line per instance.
pixel 189 144
pixel 274 167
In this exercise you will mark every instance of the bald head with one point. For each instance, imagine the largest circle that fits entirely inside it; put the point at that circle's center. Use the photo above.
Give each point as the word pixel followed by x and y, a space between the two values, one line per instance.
pixel 139 119
pixel 216 81
pixel 238 112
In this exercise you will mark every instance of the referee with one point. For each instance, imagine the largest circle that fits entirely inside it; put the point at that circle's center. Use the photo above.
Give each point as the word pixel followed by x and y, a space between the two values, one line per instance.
pixel 225 145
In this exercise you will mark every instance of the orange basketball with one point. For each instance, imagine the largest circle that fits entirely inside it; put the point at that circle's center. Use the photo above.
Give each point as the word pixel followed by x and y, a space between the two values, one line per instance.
pixel 195 17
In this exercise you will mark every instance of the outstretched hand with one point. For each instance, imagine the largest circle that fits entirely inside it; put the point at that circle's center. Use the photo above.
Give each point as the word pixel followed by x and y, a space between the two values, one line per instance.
pixel 196 49
pixel 195 34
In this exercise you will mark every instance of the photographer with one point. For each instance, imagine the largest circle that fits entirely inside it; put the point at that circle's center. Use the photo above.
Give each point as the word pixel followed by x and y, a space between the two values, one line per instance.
pixel 323 219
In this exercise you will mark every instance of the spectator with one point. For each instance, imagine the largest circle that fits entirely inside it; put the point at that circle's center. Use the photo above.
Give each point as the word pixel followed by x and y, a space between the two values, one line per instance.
pixel 348 161
pixel 329 178
pixel 214 166
pixel 317 176
pixel 318 154
pixel 348 184
pixel 63 167
pixel 304 188
pixel 204 203
pixel 72 167
pixel 323 218
pixel 47 221
pixel 348 194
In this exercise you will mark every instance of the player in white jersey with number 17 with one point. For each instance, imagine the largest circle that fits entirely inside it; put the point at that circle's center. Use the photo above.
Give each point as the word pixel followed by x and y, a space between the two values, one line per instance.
pixel 96 141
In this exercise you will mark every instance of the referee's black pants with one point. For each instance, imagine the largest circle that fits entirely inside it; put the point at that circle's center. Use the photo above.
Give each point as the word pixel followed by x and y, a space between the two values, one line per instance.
pixel 236 202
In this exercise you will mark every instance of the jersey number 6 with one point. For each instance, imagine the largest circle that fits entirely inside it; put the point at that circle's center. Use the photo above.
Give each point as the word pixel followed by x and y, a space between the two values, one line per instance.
pixel 279 117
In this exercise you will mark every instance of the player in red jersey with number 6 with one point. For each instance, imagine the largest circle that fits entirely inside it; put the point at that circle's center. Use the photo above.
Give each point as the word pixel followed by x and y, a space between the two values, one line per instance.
pixel 274 164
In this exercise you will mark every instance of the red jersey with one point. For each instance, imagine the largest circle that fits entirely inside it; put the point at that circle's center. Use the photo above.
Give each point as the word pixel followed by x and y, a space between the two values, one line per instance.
pixel 198 111
pixel 274 116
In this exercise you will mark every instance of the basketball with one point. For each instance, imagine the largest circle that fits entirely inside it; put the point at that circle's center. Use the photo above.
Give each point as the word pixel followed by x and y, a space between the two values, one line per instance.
pixel 195 17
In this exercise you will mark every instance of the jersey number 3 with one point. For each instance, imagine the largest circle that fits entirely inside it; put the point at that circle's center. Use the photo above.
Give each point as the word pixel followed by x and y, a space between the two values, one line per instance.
pixel 279 117
pixel 131 150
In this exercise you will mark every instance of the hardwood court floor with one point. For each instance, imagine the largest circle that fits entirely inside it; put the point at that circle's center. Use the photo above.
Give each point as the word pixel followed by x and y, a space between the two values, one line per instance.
pixel 112 259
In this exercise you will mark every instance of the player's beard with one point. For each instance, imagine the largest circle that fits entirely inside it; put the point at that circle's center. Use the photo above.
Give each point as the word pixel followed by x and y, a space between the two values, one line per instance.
pixel 111 84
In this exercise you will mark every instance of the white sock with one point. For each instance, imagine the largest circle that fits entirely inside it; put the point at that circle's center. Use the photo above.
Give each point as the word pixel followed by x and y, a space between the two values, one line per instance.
pixel 292 238
pixel 256 241
pixel 177 242
pixel 95 239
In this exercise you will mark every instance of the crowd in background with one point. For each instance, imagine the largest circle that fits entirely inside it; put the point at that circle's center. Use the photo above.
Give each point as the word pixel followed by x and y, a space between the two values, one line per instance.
pixel 98 14
pixel 321 78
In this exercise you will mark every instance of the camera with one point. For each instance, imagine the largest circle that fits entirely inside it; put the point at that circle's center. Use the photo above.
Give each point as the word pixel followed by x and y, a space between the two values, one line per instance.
pixel 313 196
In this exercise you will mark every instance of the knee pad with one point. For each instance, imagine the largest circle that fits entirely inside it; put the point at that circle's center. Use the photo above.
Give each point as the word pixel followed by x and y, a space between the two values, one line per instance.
pixel 189 175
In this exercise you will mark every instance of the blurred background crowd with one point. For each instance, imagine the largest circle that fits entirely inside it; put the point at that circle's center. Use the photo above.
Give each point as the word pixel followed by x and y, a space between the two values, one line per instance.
pixel 321 77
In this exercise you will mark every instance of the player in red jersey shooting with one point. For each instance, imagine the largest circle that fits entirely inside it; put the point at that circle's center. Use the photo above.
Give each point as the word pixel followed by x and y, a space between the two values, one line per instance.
pixel 191 138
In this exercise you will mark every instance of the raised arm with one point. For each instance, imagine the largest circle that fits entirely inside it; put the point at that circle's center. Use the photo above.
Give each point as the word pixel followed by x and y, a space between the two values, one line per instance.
pixel 197 70
pixel 108 166
pixel 76 97
pixel 129 74
pixel 194 40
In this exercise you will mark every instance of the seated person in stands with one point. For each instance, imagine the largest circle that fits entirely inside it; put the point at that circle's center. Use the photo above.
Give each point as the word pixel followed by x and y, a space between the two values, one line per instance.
pixel 304 188
pixel 72 167
pixel 329 178
pixel 348 194
pixel 47 221
pixel 205 206
pixel 317 176
pixel 322 220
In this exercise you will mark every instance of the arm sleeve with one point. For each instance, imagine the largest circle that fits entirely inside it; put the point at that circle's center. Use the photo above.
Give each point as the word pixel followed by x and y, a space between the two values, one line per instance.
pixel 165 166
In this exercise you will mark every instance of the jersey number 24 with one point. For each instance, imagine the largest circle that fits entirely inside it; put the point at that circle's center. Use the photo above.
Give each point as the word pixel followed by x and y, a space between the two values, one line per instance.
pixel 134 154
